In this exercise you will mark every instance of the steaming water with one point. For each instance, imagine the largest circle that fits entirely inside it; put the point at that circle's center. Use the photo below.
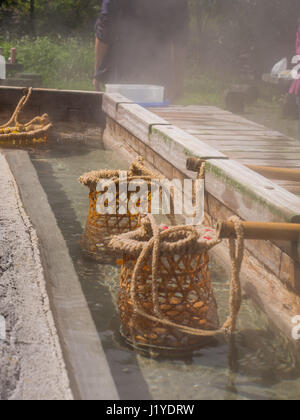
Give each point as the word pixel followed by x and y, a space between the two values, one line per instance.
pixel 269 115
pixel 260 365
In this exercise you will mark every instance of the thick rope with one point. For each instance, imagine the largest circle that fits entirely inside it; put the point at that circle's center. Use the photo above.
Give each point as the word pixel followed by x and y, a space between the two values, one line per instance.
pixel 237 248
pixel 14 130
pixel 201 174
pixel 175 240
pixel 138 167
pixel 25 135
pixel 195 194
pixel 153 246
pixel 137 171
pixel 14 118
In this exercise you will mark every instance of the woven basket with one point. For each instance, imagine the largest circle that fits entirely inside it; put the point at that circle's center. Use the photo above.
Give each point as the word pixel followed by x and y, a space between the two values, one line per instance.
pixel 101 227
pixel 14 134
pixel 182 293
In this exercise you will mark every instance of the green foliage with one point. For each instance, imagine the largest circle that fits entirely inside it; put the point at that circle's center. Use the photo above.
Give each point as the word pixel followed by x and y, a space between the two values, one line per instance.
pixel 63 62
pixel 228 33
pixel 204 89
pixel 44 17
pixel 55 38
pixel 66 16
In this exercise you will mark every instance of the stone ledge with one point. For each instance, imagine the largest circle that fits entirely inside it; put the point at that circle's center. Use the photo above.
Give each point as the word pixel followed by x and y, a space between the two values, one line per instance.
pixel 111 103
pixel 32 365
pixel 88 370
pixel 60 105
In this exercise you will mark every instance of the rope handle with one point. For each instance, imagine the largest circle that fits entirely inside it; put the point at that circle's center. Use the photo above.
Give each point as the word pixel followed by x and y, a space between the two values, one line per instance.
pixel 113 178
pixel 236 254
pixel 136 169
pixel 14 118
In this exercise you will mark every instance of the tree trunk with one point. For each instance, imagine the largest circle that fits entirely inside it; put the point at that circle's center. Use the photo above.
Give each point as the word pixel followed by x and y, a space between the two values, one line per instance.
pixel 32 16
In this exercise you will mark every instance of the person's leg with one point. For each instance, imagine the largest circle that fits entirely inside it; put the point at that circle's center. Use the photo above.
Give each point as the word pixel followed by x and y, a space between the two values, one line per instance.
pixel 180 65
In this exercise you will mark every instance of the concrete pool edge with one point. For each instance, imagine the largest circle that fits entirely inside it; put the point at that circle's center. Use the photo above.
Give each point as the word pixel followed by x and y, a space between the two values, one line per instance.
pixel 60 105
pixel 32 364
pixel 87 367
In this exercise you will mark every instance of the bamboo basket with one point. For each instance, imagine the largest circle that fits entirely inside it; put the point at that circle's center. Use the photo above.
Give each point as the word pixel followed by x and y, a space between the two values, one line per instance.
pixel 101 227
pixel 166 301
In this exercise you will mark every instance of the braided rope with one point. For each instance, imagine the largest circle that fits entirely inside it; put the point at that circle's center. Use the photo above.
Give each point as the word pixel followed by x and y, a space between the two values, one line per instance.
pixel 201 176
pixel 177 239
pixel 14 118
pixel 137 171
pixel 14 130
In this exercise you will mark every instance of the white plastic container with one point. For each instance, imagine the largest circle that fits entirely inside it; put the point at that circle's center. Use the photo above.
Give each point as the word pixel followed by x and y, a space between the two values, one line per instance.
pixel 2 66
pixel 279 67
pixel 144 94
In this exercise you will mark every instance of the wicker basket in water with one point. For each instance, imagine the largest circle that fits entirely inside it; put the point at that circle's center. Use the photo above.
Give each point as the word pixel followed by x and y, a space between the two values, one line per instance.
pixel 15 134
pixel 166 300
pixel 100 227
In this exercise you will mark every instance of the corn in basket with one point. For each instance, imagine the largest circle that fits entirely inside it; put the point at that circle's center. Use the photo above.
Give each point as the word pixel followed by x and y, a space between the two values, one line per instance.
pixel 99 226
pixel 166 301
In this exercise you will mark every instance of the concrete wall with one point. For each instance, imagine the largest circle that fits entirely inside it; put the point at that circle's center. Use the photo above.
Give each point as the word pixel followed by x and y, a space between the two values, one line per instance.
pixel 32 365
pixel 60 105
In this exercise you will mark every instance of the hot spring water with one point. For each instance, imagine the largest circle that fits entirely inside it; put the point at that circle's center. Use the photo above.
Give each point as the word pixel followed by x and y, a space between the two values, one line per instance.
pixel 258 365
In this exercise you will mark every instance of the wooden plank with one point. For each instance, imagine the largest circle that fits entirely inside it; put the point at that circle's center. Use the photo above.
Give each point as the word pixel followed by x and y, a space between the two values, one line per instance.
pixel 257 142
pixel 202 119
pixel 274 163
pixel 175 145
pixel 237 137
pixel 191 109
pixel 186 113
pixel 253 147
pixel 231 131
pixel 291 187
pixel 110 103
pixel 272 203
pixel 210 112
pixel 138 121
pixel 268 155
pixel 210 127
